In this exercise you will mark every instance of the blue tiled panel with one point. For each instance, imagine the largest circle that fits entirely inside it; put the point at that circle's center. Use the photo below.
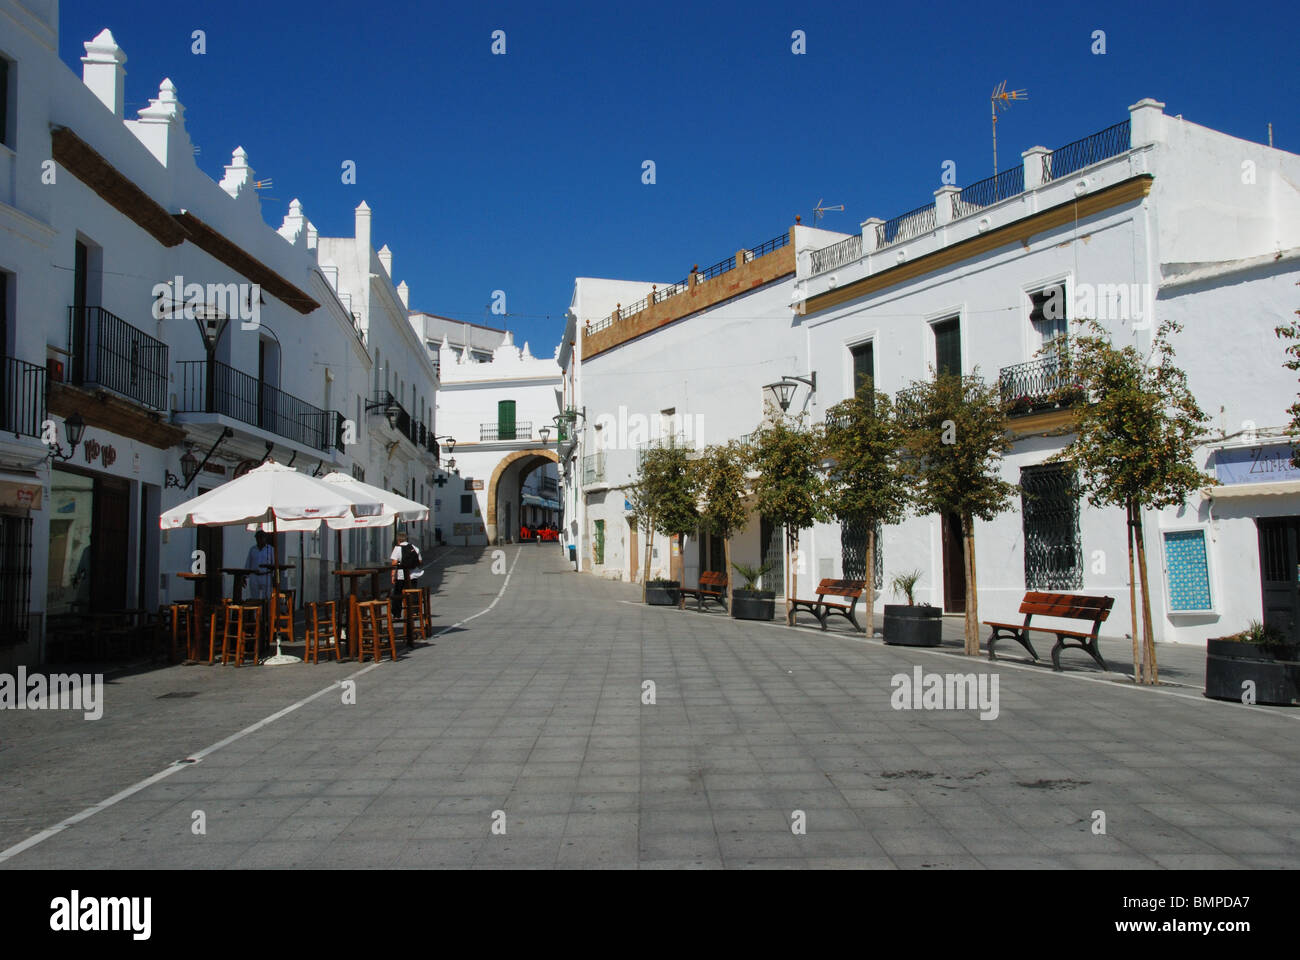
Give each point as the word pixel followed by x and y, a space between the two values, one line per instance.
pixel 1188 570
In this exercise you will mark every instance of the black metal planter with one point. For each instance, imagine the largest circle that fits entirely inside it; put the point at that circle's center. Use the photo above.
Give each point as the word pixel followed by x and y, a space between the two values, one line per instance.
pixel 663 593
pixel 1274 669
pixel 754 604
pixel 908 626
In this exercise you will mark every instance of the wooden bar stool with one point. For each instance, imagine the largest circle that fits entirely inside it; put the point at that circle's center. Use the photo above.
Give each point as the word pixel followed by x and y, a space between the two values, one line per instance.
pixel 243 629
pixel 182 629
pixel 376 618
pixel 415 615
pixel 219 614
pixel 322 631
pixel 282 604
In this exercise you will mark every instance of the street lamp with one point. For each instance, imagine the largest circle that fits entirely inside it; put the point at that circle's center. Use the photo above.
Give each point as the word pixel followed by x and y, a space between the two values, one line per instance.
pixel 76 427
pixel 545 433
pixel 189 467
pixel 784 388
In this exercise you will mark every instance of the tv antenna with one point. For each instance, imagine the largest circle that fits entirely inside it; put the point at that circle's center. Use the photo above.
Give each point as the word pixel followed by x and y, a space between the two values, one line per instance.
pixel 998 101
pixel 819 211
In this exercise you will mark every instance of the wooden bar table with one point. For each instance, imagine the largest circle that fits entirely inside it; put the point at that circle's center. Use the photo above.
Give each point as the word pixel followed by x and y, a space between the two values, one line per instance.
pixel 196 579
pixel 350 578
pixel 241 575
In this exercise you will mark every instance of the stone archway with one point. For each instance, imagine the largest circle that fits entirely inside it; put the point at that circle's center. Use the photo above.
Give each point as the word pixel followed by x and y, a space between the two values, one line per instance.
pixel 490 520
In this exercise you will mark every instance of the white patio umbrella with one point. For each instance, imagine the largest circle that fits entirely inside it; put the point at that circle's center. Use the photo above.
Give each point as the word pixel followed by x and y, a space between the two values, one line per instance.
pixel 270 494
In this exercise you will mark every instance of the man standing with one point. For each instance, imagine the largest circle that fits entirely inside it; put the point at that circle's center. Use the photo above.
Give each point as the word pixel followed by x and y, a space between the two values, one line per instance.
pixel 406 562
pixel 259 583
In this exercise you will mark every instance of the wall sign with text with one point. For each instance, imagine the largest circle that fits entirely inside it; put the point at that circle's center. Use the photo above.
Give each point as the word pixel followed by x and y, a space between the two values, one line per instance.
pixel 1262 464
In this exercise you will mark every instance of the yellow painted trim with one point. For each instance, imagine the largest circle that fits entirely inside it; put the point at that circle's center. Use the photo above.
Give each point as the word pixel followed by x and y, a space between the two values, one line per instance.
pixel 1021 230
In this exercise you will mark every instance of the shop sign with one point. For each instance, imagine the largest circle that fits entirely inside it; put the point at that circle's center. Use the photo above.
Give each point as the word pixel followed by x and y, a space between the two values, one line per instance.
pixel 106 454
pixel 1261 464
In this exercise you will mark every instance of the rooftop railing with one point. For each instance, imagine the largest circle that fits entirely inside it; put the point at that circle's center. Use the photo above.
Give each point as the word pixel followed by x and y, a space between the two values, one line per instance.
pixel 1095 148
pixel 985 193
pixel 837 254
pixel 905 226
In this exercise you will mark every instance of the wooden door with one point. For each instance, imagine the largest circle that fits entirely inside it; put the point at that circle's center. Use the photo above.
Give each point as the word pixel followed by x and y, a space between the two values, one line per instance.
pixel 109 534
pixel 954 565
pixel 1279 572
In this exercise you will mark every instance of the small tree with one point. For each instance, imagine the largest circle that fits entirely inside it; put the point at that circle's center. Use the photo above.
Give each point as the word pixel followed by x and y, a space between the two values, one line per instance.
pixel 868 479
pixel 1291 331
pixel 721 486
pixel 667 484
pixel 641 517
pixel 790 488
pixel 954 431
pixel 1135 441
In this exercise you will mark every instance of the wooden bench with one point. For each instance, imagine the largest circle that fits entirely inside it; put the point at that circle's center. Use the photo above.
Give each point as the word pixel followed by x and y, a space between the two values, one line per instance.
pixel 1066 606
pixel 821 608
pixel 713 586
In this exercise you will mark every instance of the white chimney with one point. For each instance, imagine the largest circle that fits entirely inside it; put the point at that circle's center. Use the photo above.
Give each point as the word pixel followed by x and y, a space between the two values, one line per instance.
pixel 386 258
pixel 103 73
pixel 404 292
pixel 362 231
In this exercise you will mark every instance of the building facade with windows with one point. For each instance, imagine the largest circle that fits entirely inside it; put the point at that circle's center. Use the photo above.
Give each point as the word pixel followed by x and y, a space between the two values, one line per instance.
pixel 158 339
pixel 1152 219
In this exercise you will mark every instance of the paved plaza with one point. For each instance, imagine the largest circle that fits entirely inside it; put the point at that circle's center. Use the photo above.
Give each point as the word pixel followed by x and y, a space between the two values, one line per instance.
pixel 519 739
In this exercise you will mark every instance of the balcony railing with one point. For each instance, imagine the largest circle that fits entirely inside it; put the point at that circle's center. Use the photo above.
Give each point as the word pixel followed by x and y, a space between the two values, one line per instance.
pixel 985 193
pixel 1095 148
pixel 492 431
pixel 215 387
pixel 108 352
pixel 680 441
pixel 837 254
pixel 22 397
pixel 593 468
pixel 1040 384
pixel 905 226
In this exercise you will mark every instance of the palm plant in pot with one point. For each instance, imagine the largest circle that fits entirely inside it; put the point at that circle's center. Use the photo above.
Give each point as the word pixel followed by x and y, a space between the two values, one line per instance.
pixel 910 625
pixel 748 602
pixel 1257 665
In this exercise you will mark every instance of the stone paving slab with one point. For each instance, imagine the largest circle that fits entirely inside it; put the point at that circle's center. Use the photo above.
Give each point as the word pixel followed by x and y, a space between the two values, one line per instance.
pixel 521 740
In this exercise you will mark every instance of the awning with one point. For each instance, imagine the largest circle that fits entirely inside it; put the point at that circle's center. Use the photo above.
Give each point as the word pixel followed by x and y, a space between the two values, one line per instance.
pixel 1233 490
pixel 21 491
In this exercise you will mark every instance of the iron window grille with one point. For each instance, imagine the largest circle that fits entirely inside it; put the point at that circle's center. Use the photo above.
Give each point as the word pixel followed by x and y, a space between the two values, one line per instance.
pixel 1049 502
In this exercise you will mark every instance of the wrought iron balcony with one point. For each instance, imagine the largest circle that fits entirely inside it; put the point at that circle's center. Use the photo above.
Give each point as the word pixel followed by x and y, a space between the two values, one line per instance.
pixel 1094 148
pixel 22 397
pixel 493 431
pixel 108 352
pixel 215 387
pixel 1043 383
pixel 837 254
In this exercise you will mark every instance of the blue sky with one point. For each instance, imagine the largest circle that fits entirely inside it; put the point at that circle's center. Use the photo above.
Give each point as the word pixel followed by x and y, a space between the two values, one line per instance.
pixel 520 172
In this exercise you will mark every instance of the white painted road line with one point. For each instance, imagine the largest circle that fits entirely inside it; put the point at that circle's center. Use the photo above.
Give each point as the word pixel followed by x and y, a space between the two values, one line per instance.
pixel 207 751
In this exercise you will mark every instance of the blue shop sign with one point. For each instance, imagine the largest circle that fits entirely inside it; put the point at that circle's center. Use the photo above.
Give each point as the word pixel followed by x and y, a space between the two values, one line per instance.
pixel 1262 464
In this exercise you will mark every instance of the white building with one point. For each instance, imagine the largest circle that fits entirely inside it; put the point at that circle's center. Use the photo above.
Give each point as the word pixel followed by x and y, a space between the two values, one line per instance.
pixel 1153 218
pixel 474 339
pixel 496 413
pixel 99 214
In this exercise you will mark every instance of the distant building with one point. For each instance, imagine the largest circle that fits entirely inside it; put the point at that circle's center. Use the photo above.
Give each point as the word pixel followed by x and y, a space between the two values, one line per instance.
pixel 478 340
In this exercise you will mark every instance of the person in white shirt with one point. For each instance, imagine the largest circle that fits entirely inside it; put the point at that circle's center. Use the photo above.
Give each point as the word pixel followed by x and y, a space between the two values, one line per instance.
pixel 406 562
pixel 259 584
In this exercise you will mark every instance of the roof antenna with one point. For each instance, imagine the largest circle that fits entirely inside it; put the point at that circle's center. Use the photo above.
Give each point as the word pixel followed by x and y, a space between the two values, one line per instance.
pixel 1000 98
pixel 819 211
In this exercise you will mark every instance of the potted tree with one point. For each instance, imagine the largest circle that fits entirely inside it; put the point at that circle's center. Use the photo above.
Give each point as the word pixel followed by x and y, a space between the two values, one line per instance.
pixel 1258 665
pixel 748 602
pixel 910 625
pixel 866 479
pixel 789 487
pixel 721 487
pixel 667 485
pixel 954 430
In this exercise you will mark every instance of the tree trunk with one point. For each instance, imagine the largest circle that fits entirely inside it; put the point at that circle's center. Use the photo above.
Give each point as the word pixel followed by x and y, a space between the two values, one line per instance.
pixel 1132 597
pixel 868 615
pixel 972 600
pixel 645 570
pixel 792 577
pixel 731 581
pixel 1149 637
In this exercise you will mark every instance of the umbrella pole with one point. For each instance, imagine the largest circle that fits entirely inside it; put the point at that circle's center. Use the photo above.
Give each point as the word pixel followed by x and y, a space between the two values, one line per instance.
pixel 279 657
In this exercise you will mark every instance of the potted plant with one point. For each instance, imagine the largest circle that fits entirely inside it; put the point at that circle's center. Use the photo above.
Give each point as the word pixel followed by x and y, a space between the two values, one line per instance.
pixel 1259 655
pixel 748 602
pixel 910 625
pixel 663 593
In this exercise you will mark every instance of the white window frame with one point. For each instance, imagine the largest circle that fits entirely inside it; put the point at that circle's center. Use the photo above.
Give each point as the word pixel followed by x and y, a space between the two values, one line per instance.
pixel 1211 574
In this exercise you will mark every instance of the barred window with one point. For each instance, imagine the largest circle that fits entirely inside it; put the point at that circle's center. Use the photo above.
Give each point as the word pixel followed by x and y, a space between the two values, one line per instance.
pixel 853 551
pixel 15 577
pixel 1049 502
